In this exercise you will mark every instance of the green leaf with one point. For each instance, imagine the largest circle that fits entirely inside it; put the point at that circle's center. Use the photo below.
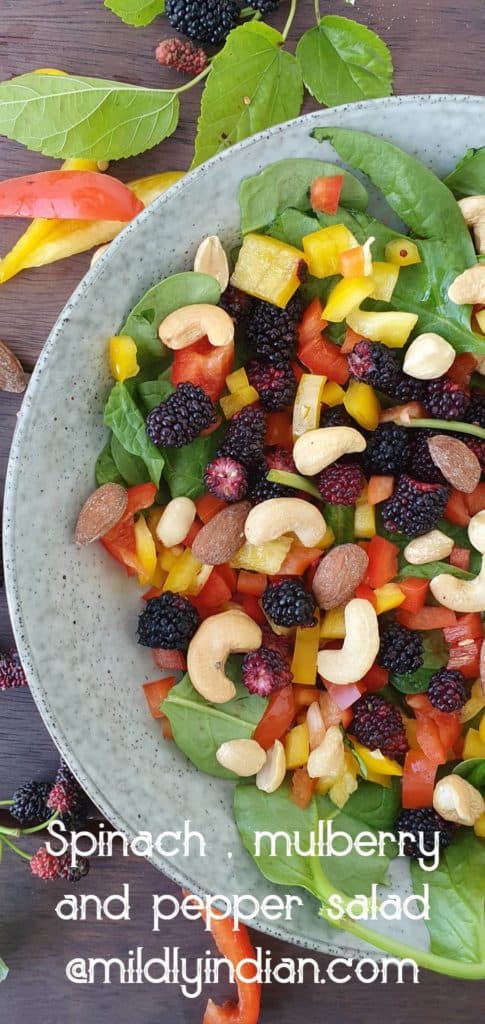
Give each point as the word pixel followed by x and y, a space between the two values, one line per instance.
pixel 468 178
pixel 179 290
pixel 375 806
pixel 285 184
pixel 130 467
pixel 127 423
pixel 291 226
pixel 342 62
pixel 106 471
pixel 199 728
pixel 473 770
pixel 457 899
pixel 252 85
pixel 185 467
pixel 352 874
pixel 154 392
pixel 432 569
pixel 3 970
pixel 69 116
pixel 340 518
pixel 136 12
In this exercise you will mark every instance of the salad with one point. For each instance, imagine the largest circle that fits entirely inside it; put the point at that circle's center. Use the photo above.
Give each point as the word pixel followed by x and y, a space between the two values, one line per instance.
pixel 293 477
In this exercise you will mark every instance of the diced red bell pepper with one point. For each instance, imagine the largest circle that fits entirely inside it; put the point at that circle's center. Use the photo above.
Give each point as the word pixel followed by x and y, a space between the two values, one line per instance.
pixel 302 787
pixel 171 659
pixel 250 604
pixel 426 618
pixel 448 723
pixel 68 195
pixel 465 657
pixel 344 696
pixel 140 496
pixel 379 489
pixel 315 351
pixel 416 591
pixel 277 718
pixel 214 593
pixel 460 557
pixel 382 566
pixel 351 339
pixel 279 430
pixel 420 703
pixel 418 780
pixel 475 502
pixel 375 679
pixel 311 326
pixel 156 692
pixel 208 506
pixel 460 372
pixel 366 593
pixel 468 627
pixel 205 365
pixel 235 946
pixel 304 695
pixel 428 737
pixel 151 592
pixel 254 583
pixel 228 574
pixel 325 193
pixel 120 540
pixel 298 559
pixel 456 510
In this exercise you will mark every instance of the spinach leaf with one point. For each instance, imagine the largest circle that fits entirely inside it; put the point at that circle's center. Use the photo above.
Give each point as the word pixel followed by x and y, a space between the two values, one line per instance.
pixel 252 85
pixel 457 899
pixel 422 201
pixel 435 655
pixel 342 62
pixel 71 116
pixel 352 874
pixel 3 970
pixel 468 178
pixel 130 467
pixel 153 392
pixel 340 518
pixel 136 12
pixel 200 728
pixel 285 184
pixel 460 536
pixel 179 290
pixel 128 426
pixel 432 569
pixel 473 769
pixel 376 806
pixel 185 467
pixel 291 226
pixel 106 471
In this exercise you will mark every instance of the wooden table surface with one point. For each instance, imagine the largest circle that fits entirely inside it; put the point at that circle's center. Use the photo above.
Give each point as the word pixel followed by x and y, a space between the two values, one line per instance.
pixel 437 46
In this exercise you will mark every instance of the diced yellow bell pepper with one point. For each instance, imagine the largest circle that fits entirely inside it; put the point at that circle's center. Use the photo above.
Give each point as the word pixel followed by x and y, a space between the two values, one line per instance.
pixel 46 241
pixel 474 704
pixel 322 249
pixel 481 729
pixel 297 746
pixel 345 297
pixel 392 328
pixel 322 786
pixel 327 540
pixel 122 357
pixel 474 746
pixel 332 394
pixel 304 663
pixel 267 558
pixel 237 381
pixel 346 784
pixel 379 780
pixel 365 521
pixel 362 404
pixel 308 403
pixel 168 557
pixel 231 404
pixel 480 318
pixel 268 269
pixel 333 625
pixel 159 576
pixel 388 596
pixel 153 516
pixel 411 734
pixel 375 761
pixel 146 551
pixel 187 575
pixel 403 252
pixel 479 827
pixel 384 276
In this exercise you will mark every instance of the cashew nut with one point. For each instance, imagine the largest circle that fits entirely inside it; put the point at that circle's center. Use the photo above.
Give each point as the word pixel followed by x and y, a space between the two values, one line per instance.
pixel 460 595
pixel 469 287
pixel 97 253
pixel 476 531
pixel 328 759
pixel 273 518
pixel 211 259
pixel 175 521
pixel 428 356
pixel 360 647
pixel 457 800
pixel 243 757
pixel 271 775
pixel 473 210
pixel 317 449
pixel 215 639
pixel 430 547
pixel 191 323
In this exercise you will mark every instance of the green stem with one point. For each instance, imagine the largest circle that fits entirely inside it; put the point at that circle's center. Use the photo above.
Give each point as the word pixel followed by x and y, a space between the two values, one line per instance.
pixel 39 828
pixel 194 81
pixel 6 803
pixel 318 12
pixel 289 21
pixel 461 428
pixel 5 831
pixel 16 849
pixel 281 476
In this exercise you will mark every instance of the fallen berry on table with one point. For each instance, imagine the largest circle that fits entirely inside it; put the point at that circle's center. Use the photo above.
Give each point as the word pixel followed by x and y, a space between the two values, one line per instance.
pixel 207 21
pixel 72 872
pixel 30 806
pixel 181 55
pixel 12 674
pixel 45 865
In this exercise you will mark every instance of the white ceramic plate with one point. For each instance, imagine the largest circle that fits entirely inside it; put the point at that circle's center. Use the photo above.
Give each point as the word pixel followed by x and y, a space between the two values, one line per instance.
pixel 74 613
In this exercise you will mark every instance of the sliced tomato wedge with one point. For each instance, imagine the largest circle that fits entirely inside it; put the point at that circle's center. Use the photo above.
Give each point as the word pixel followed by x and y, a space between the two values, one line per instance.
pixel 277 718
pixel 68 195
pixel 205 365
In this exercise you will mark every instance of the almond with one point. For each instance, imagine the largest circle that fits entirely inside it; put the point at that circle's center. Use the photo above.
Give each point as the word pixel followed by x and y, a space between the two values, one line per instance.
pixel 222 536
pixel 338 575
pixel 12 377
pixel 102 510
pixel 458 464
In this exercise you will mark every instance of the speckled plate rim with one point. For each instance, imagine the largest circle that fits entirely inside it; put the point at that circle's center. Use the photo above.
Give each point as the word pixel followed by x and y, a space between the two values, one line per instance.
pixel 20 627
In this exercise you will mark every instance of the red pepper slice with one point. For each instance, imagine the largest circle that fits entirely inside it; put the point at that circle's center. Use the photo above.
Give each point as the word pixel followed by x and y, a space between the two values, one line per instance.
pixel 235 946
pixel 68 195
pixel 325 193
pixel 120 540
pixel 277 718
pixel 418 780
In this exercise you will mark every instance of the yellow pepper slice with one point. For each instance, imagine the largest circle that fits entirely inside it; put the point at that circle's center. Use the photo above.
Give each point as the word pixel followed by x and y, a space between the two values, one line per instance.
pixel 231 404
pixel 346 296
pixel 365 522
pixel 268 269
pixel 267 558
pixel 474 704
pixel 187 575
pixel 392 328
pixel 169 556
pixel 361 403
pixel 387 597
pixel 474 746
pixel 145 550
pixel 480 318
pixel 304 663
pixel 308 401
pixel 384 276
pixel 297 746
pixel 122 357
pixel 333 624
pixel 481 729
pixel 402 252
pixel 479 827
pixel 237 381
pixel 323 248
pixel 332 394
pixel 375 761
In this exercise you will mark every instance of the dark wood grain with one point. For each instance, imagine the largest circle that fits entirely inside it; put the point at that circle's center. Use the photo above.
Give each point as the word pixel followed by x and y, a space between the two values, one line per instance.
pixel 437 47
